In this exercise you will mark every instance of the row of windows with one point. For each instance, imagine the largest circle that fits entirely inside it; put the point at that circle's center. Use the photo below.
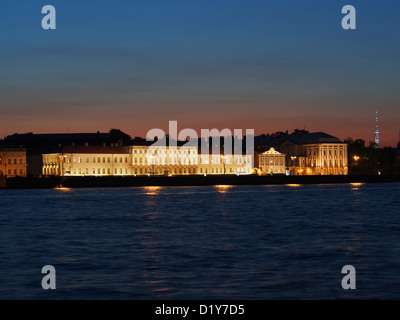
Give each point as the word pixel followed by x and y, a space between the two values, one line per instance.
pixel 272 160
pixel 12 161
pixel 335 163
pixel 98 171
pixel 96 159
pixel 186 171
pixel 313 162
pixel 159 160
pixel 107 171
pixel 164 161
pixel 186 160
pixel 15 172
pixel 161 151
pixel 314 152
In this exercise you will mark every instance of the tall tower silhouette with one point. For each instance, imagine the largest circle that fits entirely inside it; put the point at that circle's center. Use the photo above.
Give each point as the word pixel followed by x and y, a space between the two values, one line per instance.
pixel 376 131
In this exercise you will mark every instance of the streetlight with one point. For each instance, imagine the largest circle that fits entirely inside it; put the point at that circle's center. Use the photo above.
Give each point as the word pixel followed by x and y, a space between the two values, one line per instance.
pixel 223 159
pixel 356 159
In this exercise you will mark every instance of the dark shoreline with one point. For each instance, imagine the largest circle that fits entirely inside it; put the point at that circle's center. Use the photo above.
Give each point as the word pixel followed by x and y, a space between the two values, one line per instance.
pixel 131 181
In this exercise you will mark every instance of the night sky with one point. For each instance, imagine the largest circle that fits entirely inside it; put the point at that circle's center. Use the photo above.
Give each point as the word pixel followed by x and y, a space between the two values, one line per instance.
pixel 263 65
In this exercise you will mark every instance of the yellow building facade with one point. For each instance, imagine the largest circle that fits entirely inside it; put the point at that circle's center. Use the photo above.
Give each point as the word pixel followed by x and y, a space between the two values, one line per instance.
pixel 272 162
pixel 141 160
pixel 13 162
pixel 88 161
pixel 317 159
pixel 185 160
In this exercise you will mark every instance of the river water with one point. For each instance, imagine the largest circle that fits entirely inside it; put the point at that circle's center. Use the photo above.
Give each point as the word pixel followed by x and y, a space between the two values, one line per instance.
pixel 217 242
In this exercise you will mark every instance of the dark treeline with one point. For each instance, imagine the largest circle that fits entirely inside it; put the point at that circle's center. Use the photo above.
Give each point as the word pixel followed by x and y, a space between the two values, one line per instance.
pixel 370 160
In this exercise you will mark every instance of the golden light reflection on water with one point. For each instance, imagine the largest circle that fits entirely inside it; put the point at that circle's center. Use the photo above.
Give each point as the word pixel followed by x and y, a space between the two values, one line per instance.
pixel 223 188
pixel 356 185
pixel 293 185
pixel 152 190
pixel 64 189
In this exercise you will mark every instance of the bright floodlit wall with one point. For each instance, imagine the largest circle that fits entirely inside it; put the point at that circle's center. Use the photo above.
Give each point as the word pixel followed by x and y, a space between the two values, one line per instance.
pixel 185 160
pixel 88 163
pixel 142 160
pixel 317 159
pixel 13 163
pixel 272 162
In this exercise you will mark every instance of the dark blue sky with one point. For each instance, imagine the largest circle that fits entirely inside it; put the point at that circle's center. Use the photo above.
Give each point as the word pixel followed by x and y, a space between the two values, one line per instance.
pixel 265 65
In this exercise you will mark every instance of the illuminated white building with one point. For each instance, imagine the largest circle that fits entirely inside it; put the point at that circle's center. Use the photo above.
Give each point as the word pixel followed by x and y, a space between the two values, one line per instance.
pixel 323 158
pixel 185 160
pixel 141 160
pixel 272 162
pixel 225 164
pixel 88 161
pixel 163 160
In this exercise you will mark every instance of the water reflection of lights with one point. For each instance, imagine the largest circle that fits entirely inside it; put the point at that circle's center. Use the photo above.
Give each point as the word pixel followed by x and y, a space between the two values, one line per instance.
pixel 356 185
pixel 222 188
pixel 64 189
pixel 293 185
pixel 152 190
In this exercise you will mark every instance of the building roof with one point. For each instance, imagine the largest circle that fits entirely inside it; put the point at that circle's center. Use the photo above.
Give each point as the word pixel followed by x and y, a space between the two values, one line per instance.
pixel 37 143
pixel 94 150
pixel 272 151
pixel 310 138
pixel 300 137
pixel 166 141
pixel 6 146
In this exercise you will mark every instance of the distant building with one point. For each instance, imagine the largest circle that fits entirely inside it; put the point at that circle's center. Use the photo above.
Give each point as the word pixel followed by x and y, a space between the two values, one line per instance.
pixel 221 164
pixel 88 161
pixel 184 160
pixel 12 162
pixel 315 154
pixel 52 143
pixel 272 162
pixel 163 160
